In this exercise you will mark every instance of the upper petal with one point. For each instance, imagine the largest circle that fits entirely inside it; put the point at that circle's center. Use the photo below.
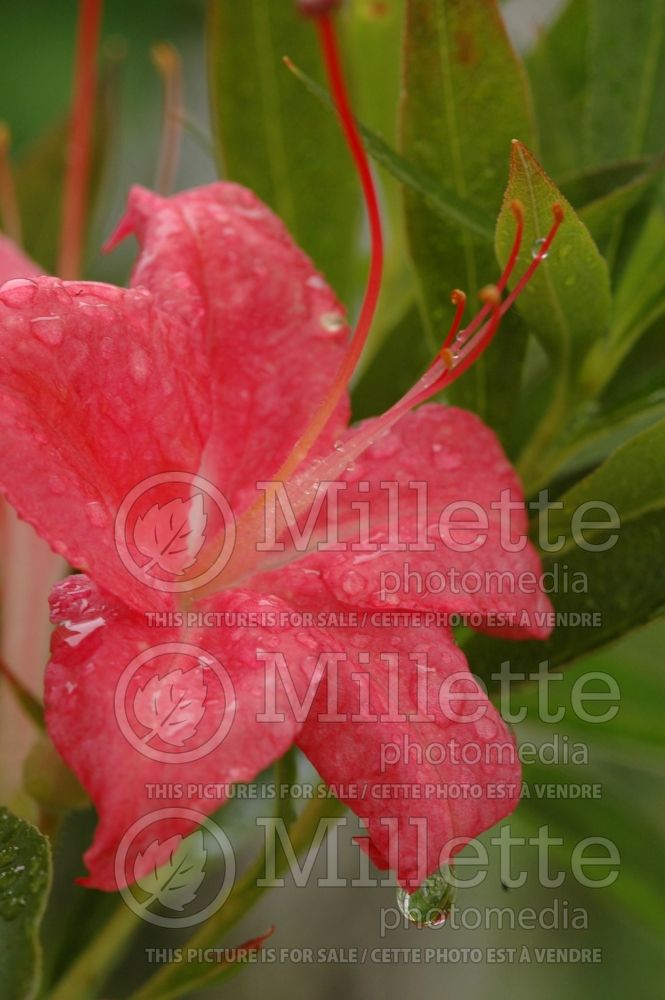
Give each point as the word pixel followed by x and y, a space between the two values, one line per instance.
pixel 275 332
pixel 98 390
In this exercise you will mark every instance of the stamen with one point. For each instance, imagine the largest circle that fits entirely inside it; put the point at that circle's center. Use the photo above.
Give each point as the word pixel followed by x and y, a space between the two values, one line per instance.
pixel 9 206
pixel 517 209
pixel 558 213
pixel 167 60
pixel 458 299
pixel 79 159
pixel 333 64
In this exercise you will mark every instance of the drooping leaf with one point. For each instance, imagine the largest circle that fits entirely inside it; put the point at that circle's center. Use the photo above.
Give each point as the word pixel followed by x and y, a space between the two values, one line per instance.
pixel 271 137
pixel 567 303
pixel 626 95
pixel 617 575
pixel 465 98
pixel 25 874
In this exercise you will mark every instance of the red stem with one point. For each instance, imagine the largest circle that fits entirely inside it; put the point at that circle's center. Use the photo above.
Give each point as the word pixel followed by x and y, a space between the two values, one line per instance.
pixel 79 158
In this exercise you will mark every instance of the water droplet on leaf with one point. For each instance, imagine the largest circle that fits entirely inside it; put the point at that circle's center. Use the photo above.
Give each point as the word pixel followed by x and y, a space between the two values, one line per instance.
pixel 536 248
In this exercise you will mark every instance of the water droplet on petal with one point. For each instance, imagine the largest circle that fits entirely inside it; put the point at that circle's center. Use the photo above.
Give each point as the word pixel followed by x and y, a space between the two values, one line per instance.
pixel 56 484
pixel 96 514
pixel 138 366
pixel 18 292
pixel 49 329
pixel 385 447
pixel 535 249
pixel 332 322
pixel 431 903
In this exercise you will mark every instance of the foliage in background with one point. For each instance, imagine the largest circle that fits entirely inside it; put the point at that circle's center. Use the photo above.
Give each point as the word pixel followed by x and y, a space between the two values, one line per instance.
pixel 575 383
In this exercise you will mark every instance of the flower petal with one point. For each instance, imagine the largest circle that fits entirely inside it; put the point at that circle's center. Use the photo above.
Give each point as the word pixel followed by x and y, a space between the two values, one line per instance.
pixel 437 467
pixel 98 391
pixel 276 333
pixel 176 717
pixel 404 734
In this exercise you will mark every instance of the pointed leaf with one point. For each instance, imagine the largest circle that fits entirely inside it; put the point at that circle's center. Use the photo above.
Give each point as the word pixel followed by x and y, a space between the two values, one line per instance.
pixel 25 874
pixel 567 304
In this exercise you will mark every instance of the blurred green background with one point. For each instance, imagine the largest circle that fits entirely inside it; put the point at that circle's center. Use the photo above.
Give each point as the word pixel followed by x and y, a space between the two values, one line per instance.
pixel 625 921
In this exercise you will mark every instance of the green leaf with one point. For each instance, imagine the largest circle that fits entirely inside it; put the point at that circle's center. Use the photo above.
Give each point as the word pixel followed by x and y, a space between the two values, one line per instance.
pixel 445 202
pixel 624 584
pixel 602 212
pixel 272 138
pixel 558 70
pixel 626 96
pixel 625 754
pixel 465 98
pixel 25 873
pixel 567 303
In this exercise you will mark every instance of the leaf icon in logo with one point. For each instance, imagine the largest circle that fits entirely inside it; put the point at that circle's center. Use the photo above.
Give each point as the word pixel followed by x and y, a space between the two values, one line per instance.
pixel 174 882
pixel 172 535
pixel 172 706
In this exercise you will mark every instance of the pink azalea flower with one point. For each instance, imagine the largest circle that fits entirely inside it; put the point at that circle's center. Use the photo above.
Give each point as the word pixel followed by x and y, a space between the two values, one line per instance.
pixel 228 360
pixel 214 362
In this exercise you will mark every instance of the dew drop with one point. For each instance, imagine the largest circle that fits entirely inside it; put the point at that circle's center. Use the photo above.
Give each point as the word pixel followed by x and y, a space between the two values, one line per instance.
pixel 18 292
pixel 49 329
pixel 332 322
pixel 535 249
pixel 56 484
pixel 430 905
pixel 138 366
pixel 11 906
pixel 385 447
pixel 96 514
